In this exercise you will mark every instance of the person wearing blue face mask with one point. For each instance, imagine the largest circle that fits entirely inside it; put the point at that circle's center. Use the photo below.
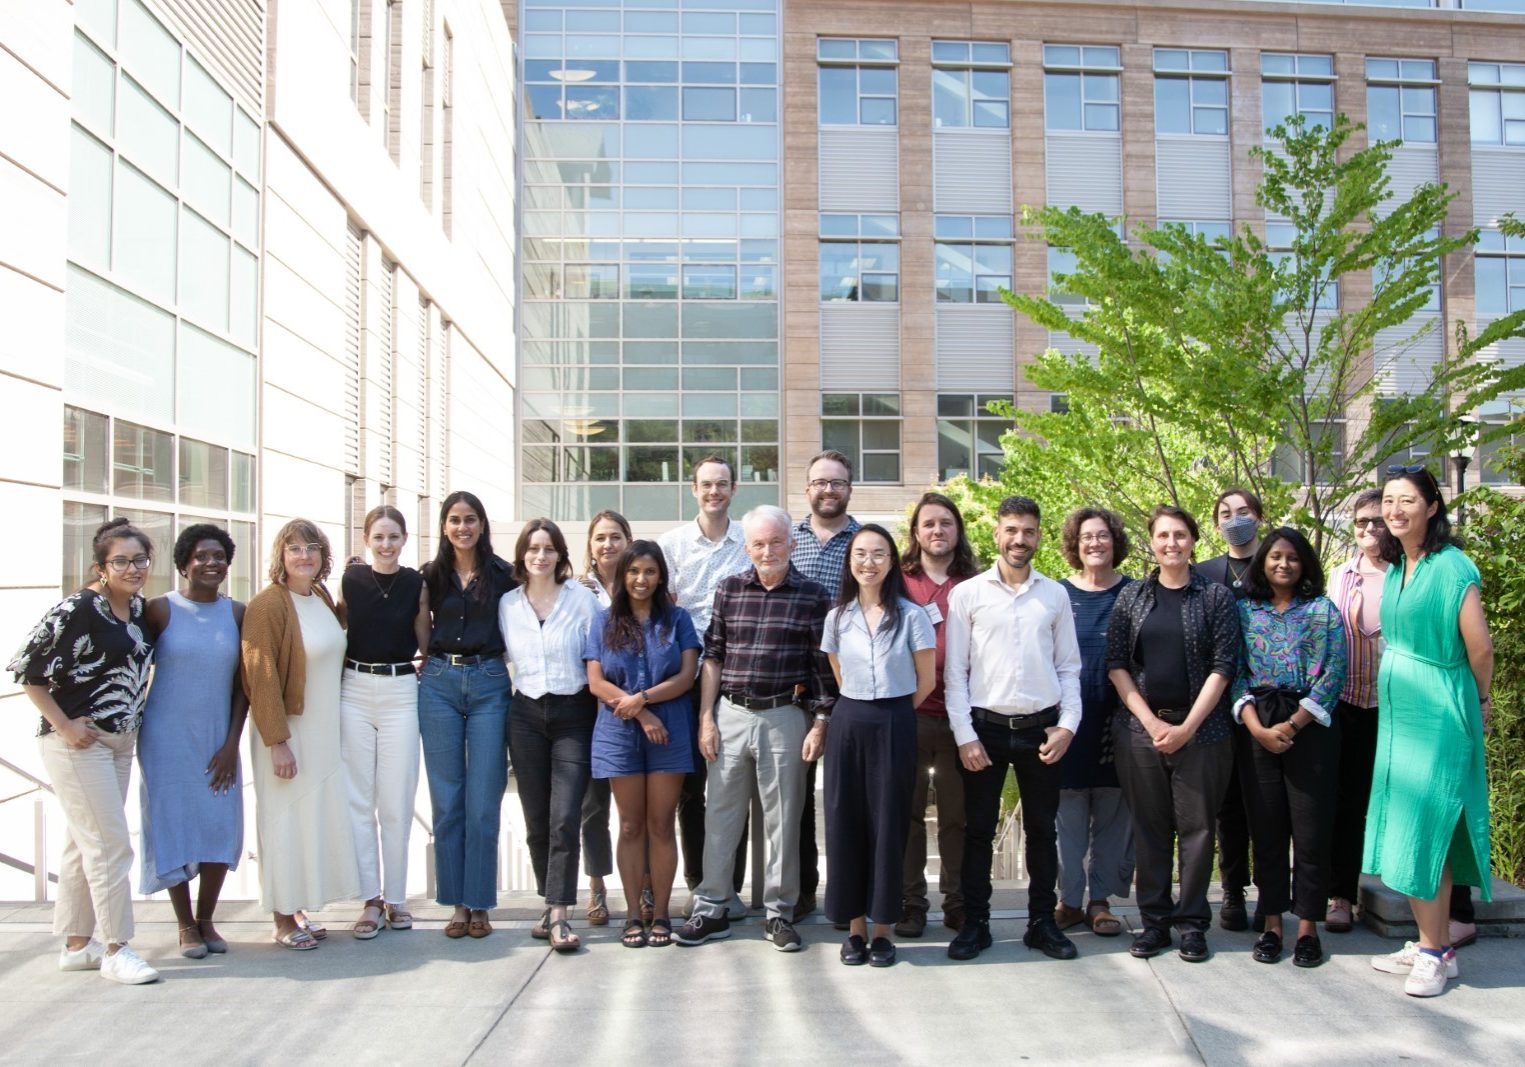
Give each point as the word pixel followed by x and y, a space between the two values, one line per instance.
pixel 1238 515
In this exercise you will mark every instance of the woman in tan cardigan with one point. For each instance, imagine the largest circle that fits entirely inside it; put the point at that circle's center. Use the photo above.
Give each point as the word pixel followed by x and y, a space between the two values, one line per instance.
pixel 293 659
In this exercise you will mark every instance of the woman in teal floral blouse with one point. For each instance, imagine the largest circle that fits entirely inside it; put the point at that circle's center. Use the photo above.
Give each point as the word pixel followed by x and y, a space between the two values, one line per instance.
pixel 1290 677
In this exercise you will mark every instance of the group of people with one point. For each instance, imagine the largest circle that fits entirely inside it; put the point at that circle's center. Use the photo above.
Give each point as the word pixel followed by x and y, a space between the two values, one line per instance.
pixel 1235 700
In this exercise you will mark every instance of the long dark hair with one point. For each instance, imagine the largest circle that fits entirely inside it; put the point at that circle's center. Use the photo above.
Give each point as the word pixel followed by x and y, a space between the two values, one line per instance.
pixel 623 629
pixel 891 592
pixel 964 564
pixel 436 571
pixel 558 542
pixel 1437 534
pixel 1309 584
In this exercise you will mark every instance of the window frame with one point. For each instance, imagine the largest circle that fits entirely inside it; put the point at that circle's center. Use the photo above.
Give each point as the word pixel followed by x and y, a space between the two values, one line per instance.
pixel 1084 71
pixel 1401 81
pixel 857 418
pixel 858 236
pixel 970 426
pixel 968 67
pixel 1298 78
pixel 1498 88
pixel 972 240
pixel 858 62
pixel 1193 76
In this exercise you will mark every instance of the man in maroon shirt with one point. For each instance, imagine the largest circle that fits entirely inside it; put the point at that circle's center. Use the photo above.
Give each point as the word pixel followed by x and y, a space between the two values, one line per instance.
pixel 938 557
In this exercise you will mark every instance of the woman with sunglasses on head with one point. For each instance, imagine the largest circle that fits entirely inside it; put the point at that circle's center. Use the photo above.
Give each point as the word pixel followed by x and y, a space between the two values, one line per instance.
pixel 608 536
pixel 386 608
pixel 463 712
pixel 188 751
pixel 85 668
pixel 883 651
pixel 1427 825
pixel 293 661
pixel 1292 668
pixel 545 624
pixel 1355 586
pixel 642 659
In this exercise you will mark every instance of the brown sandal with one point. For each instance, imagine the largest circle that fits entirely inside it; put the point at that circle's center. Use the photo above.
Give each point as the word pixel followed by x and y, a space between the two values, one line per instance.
pixel 479 927
pixel 562 938
pixel 456 928
pixel 1100 919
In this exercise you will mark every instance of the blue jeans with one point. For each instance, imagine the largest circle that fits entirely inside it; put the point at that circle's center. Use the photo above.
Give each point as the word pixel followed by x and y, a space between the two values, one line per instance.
pixel 462 713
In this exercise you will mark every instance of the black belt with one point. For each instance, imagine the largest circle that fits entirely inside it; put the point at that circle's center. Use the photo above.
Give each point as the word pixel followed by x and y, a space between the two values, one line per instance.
pixel 1172 716
pixel 760 703
pixel 457 660
pixel 393 669
pixel 1047 717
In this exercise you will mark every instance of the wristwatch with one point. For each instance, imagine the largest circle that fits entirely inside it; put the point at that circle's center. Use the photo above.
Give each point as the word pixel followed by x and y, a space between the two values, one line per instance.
pixel 822 717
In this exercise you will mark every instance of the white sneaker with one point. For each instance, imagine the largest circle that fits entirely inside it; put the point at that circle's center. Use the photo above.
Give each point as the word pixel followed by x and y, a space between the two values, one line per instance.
pixel 127 967
pixel 81 959
pixel 1428 978
pixel 1400 962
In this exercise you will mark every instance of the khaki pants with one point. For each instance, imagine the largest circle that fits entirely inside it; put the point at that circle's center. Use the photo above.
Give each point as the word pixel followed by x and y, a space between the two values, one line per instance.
pixel 91 786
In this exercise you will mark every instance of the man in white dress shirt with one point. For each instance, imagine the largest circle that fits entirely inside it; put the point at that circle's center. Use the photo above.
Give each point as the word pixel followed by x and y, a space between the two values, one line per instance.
pixel 1012 687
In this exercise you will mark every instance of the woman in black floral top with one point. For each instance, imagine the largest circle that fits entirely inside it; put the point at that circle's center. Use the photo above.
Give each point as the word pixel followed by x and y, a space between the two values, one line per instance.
pixel 86 669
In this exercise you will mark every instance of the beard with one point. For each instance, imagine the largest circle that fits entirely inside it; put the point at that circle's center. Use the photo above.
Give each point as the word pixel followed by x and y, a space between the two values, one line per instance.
pixel 828 507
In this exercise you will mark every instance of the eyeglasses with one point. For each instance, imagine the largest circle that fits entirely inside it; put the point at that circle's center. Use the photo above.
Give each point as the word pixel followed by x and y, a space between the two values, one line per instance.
pixel 119 564
pixel 313 549
pixel 1095 538
pixel 1412 468
pixel 1371 520
pixel 880 556
pixel 836 484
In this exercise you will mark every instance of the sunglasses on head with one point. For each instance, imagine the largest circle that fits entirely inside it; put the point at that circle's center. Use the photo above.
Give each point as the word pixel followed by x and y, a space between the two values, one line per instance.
pixel 1412 468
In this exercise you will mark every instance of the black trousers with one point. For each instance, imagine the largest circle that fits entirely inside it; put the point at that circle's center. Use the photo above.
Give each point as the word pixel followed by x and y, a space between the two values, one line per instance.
pixel 1038 785
pixel 1358 751
pixel 550 740
pixel 1172 796
pixel 1290 799
pixel 870 776
pixel 691 823
pixel 1234 827
pixel 810 852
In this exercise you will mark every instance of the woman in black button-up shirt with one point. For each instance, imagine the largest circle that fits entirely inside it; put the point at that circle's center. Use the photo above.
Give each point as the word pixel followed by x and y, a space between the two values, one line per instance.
pixel 1172 650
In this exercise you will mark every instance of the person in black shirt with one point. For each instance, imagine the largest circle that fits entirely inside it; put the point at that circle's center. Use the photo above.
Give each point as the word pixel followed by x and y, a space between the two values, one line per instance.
pixel 463 712
pixel 388 622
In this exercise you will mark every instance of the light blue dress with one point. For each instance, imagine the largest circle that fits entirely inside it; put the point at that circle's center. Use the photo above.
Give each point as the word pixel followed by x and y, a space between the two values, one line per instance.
pixel 186 721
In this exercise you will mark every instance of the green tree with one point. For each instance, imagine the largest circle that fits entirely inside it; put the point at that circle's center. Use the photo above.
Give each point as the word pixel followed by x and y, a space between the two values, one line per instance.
pixel 1232 361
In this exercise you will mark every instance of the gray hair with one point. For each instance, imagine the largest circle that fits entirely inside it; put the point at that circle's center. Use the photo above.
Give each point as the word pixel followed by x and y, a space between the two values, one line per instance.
pixel 768 513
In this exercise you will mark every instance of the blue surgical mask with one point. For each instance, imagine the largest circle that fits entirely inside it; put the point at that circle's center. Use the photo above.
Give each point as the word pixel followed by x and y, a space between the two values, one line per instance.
pixel 1240 530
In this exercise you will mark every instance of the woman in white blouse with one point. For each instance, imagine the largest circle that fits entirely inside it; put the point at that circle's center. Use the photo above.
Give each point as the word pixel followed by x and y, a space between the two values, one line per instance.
pixel 545 623
pixel 882 648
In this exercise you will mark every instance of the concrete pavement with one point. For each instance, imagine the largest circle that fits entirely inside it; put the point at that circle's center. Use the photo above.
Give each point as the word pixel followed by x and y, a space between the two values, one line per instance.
pixel 417 998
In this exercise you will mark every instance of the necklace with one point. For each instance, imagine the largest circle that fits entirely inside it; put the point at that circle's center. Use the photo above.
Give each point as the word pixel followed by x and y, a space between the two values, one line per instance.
pixel 1236 578
pixel 385 591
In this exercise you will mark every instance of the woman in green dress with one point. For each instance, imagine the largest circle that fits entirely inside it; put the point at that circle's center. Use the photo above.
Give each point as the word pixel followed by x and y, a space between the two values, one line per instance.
pixel 1427 824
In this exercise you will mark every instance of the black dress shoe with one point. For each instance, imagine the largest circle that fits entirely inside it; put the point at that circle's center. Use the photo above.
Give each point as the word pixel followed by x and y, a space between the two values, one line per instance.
pixel 913 923
pixel 973 939
pixel 804 906
pixel 1194 946
pixel 1151 942
pixel 1267 948
pixel 881 952
pixel 1308 952
pixel 854 951
pixel 1232 915
pixel 1045 936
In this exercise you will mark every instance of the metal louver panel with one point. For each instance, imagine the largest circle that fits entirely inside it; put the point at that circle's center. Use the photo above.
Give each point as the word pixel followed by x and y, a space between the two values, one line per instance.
pixel 860 170
pixel 228 38
pixel 423 393
pixel 1192 178
pixel 1405 362
pixel 1275 149
pixel 1071 346
pixel 860 347
pixel 354 319
pixel 386 372
pixel 1410 167
pixel 971 172
pixel 1085 171
pixel 439 391
pixel 1497 186
pixel 1508 353
pixel 975 349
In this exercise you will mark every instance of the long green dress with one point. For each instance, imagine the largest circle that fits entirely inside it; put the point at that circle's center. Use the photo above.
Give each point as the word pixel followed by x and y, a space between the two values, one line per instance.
pixel 1429 791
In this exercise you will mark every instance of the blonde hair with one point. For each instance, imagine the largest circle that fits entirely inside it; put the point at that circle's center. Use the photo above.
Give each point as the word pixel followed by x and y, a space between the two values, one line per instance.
pixel 299 532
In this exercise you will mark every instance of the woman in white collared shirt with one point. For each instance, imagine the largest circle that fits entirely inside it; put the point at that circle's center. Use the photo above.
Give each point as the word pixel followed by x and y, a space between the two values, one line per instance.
pixel 545 623
pixel 883 650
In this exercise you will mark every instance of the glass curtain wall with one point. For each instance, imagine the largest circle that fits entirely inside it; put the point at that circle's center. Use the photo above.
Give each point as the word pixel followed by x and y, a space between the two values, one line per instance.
pixel 649 324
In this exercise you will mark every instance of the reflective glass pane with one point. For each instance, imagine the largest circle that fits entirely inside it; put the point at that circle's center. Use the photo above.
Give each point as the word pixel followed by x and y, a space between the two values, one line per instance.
pixel 148 135
pixel 1061 97
pixel 203 475
pixel 145 229
pixel 89 200
pixel 207 109
pixel 1172 105
pixel 86 451
pixel 142 462
pixel 94 84
pixel 149 52
pixel 204 274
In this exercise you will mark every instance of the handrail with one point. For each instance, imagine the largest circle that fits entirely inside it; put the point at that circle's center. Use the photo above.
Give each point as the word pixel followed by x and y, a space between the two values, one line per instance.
pixel 38 782
pixel 23 866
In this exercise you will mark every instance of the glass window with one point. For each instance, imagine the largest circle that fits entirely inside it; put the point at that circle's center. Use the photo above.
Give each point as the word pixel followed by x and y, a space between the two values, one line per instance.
pixel 1061 261
pixel 870 439
pixel 243 482
pixel 860 271
pixel 1400 100
pixel 207 109
pixel 89 200
pixel 1080 88
pixel 94 97
pixel 145 250
pixel 1498 103
pixel 1279 240
pixel 207 181
pixel 86 451
pixel 148 135
pixel 970 273
pixel 1500 273
pixel 964 93
pixel 149 52
pixel 204 277
pixel 1297 85
pixel 857 95
pixel 969 436
pixel 142 462
pixel 203 475
pixel 80 523
pixel 1191 104
pixel 714 105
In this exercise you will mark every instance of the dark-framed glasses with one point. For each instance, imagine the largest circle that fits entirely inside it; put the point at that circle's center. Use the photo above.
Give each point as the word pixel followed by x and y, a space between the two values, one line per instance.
pixel 119 564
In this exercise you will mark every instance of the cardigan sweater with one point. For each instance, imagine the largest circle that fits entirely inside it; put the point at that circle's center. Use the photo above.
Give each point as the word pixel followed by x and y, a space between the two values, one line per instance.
pixel 275 663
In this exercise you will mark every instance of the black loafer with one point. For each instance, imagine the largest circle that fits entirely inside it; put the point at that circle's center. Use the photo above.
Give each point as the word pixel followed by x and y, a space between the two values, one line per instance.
pixel 1194 946
pixel 1151 942
pixel 881 952
pixel 1232 915
pixel 854 951
pixel 1308 952
pixel 1267 948
pixel 970 941
pixel 1045 936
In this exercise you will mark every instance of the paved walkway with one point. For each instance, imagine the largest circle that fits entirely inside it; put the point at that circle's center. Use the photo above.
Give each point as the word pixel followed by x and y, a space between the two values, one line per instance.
pixel 417 998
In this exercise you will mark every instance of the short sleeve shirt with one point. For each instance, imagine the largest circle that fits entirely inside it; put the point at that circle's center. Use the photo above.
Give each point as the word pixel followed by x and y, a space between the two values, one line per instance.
pixel 882 664
pixel 94 664
pixel 658 659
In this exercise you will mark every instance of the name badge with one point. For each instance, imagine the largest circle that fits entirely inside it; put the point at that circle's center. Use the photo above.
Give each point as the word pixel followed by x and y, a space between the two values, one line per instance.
pixel 934 612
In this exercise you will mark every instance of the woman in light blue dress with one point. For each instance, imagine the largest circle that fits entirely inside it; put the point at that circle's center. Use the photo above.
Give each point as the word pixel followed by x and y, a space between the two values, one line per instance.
pixel 191 790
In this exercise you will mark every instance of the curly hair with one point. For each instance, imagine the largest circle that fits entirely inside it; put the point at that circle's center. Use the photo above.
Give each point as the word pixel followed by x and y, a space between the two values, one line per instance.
pixel 1069 534
pixel 299 532
pixel 191 536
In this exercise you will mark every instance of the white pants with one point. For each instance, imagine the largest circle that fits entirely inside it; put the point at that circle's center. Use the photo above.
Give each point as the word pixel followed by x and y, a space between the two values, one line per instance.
pixel 94 890
pixel 378 716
